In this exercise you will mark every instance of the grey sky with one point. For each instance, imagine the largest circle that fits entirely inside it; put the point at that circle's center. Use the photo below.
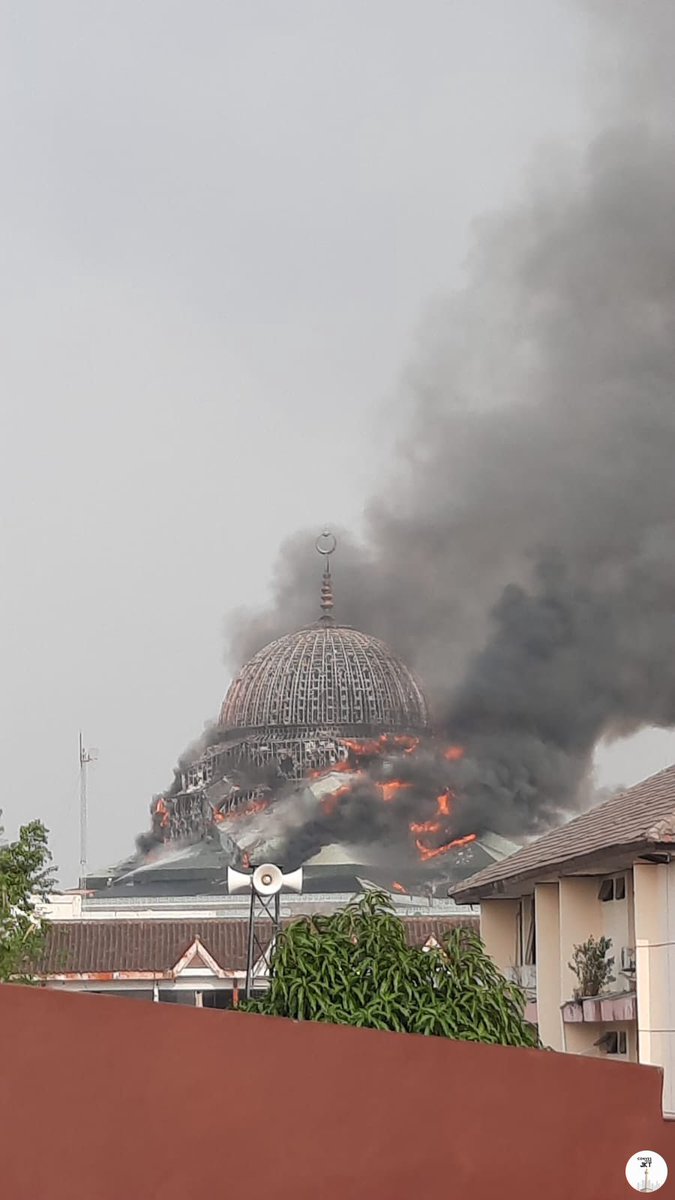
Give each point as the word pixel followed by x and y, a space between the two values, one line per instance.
pixel 221 228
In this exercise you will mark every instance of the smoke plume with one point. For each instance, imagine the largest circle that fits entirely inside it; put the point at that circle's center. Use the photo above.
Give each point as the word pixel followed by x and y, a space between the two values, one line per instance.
pixel 522 556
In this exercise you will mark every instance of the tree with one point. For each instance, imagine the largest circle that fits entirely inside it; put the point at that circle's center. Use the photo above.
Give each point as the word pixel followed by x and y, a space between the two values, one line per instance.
pixel 355 967
pixel 25 879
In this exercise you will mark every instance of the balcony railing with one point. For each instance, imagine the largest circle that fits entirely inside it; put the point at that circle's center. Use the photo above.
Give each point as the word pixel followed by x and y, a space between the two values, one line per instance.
pixel 621 1006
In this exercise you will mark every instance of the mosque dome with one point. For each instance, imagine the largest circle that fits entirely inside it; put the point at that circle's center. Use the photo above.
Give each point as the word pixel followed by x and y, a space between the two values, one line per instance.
pixel 323 676
pixel 326 676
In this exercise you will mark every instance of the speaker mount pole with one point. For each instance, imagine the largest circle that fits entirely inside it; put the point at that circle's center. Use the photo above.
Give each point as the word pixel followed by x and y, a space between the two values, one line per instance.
pixel 265 884
pixel 259 950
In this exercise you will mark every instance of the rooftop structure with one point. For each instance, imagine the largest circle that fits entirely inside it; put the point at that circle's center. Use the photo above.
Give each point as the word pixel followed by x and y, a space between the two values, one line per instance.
pixel 188 960
pixel 638 822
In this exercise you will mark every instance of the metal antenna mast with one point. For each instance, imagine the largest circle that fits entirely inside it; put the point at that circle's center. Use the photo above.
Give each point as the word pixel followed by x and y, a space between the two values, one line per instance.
pixel 85 758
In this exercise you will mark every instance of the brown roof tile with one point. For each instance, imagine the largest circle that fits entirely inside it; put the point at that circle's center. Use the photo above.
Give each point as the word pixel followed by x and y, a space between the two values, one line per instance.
pixel 104 946
pixel 641 816
pixel 153 946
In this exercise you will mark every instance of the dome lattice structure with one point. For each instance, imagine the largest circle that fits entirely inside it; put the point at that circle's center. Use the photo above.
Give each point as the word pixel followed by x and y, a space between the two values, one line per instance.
pixel 323 676
pixel 293 708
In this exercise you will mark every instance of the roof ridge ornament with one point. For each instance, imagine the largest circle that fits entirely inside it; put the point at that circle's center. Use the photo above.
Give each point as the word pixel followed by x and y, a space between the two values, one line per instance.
pixel 326 544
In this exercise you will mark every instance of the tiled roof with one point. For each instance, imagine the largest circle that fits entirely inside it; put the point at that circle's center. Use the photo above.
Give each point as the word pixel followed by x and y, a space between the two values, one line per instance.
pixel 74 947
pixel 104 946
pixel 642 816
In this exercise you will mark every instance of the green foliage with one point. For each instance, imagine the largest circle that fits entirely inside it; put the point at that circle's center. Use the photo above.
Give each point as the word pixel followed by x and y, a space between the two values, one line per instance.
pixel 355 967
pixel 25 876
pixel 592 967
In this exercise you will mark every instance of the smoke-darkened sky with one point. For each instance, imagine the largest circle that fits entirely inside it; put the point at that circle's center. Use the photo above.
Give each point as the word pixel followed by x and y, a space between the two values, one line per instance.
pixel 230 236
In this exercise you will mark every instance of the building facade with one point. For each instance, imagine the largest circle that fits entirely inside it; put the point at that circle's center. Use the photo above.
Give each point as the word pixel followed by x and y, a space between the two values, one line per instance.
pixel 192 951
pixel 608 873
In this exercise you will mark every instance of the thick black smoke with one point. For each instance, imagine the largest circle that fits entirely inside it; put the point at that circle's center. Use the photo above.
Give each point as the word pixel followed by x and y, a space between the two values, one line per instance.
pixel 522 555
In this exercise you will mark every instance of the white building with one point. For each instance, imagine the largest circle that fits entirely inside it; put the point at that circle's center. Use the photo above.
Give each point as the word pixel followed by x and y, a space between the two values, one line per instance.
pixel 611 872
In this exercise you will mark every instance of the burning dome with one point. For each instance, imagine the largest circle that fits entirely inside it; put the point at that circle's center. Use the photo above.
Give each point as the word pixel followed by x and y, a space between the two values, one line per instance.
pixel 302 707
pixel 323 747
pixel 291 707
pixel 322 676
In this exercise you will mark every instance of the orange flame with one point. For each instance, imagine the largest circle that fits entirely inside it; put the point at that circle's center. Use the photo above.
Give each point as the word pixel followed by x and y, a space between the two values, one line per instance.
pixel 425 827
pixel 443 802
pixel 453 753
pixel 367 748
pixel 398 887
pixel 163 811
pixel 426 852
pixel 361 749
pixel 392 788
pixel 386 741
pixel 330 803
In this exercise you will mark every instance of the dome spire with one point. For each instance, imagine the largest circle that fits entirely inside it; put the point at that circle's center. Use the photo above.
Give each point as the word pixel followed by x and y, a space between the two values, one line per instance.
pixel 326 544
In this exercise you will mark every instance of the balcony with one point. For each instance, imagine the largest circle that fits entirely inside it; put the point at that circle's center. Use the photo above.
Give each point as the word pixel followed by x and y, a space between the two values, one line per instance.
pixel 618 1006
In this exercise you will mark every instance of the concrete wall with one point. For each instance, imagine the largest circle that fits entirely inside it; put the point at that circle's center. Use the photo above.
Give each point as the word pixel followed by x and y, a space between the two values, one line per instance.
pixel 566 914
pixel 581 915
pixel 102 1098
pixel 547 918
pixel 617 921
pixel 654 888
pixel 580 1039
pixel 499 930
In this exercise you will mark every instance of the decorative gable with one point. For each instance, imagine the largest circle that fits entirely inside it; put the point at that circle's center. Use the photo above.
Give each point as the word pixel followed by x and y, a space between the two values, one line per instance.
pixel 198 961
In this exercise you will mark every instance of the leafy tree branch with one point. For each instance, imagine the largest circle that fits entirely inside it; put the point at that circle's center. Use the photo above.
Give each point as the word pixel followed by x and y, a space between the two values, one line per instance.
pixel 25 879
pixel 355 967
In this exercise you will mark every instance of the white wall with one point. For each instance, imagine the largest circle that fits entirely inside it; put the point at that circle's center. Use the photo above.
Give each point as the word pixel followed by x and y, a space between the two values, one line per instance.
pixel 617 923
pixel 581 917
pixel 655 957
pixel 547 917
pixel 499 931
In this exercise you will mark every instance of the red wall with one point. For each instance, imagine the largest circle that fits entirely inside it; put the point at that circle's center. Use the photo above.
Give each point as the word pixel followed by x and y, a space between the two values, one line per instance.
pixel 112 1099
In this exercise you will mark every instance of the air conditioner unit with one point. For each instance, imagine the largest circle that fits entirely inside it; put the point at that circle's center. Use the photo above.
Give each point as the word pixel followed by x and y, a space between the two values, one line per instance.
pixel 627 959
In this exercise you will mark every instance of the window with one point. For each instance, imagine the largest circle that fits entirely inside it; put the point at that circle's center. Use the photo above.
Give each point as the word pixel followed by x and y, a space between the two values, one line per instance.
pixel 176 996
pixel 613 889
pixel 219 998
pixel 527 939
pixel 613 1042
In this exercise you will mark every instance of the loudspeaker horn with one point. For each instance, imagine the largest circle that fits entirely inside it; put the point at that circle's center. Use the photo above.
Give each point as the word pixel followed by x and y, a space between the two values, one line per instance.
pixel 267 880
pixel 237 881
pixel 293 881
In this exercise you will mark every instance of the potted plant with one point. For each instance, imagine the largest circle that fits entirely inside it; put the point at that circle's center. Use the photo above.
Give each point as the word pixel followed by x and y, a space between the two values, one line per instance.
pixel 593 968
